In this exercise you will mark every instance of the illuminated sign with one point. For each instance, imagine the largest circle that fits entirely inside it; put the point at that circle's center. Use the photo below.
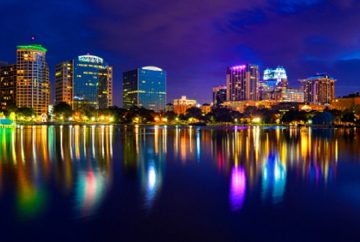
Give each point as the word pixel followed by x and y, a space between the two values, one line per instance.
pixel 90 59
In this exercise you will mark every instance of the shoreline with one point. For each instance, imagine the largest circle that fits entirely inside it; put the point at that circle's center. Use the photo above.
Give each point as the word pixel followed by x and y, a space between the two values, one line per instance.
pixel 212 125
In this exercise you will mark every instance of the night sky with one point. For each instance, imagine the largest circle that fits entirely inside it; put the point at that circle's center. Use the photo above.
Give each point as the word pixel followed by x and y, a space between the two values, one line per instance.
pixel 193 40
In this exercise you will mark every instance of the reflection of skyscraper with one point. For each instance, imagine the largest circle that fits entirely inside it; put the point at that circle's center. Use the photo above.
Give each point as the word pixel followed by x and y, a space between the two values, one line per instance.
pixel 273 179
pixel 237 188
pixel 241 83
pixel 145 87
pixel 32 78
pixel 84 81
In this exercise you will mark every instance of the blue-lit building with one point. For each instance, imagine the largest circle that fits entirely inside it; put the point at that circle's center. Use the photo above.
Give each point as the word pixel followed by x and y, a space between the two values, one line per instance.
pixel 145 87
pixel 84 81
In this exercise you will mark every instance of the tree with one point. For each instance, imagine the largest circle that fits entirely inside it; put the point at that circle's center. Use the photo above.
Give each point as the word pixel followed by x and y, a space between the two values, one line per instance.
pixel 348 116
pixel 194 112
pixel 323 118
pixel 294 115
pixel 170 115
pixel 62 109
pixel 118 114
pixel 25 112
pixel 223 114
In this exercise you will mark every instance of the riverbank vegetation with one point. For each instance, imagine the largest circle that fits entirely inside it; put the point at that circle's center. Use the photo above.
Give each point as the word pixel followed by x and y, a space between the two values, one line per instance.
pixel 63 113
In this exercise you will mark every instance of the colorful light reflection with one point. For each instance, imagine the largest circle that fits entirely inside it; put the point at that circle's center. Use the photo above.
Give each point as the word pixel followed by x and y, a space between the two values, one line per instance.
pixel 237 188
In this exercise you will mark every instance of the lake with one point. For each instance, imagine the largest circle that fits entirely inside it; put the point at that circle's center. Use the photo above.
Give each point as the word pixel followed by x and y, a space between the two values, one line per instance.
pixel 158 183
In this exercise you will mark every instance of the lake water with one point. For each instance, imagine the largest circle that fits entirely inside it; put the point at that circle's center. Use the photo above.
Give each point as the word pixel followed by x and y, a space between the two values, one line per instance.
pixel 115 183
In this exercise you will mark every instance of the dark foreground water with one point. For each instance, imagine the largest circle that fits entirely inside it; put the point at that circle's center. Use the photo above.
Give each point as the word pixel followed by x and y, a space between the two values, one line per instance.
pixel 110 183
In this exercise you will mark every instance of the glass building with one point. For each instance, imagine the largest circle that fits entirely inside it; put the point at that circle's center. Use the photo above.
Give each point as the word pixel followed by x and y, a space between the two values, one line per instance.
pixel 219 95
pixel 32 78
pixel 84 82
pixel 145 87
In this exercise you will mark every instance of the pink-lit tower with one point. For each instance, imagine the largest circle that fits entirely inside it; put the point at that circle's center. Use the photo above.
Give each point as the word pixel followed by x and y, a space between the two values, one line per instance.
pixel 242 82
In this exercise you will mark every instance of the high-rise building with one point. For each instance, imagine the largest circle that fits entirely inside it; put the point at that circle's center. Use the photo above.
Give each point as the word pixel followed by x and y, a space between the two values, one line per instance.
pixel 241 83
pixel 319 89
pixel 84 82
pixel 7 85
pixel 32 78
pixel 274 81
pixel 145 87
pixel 183 104
pixel 219 95
pixel 275 78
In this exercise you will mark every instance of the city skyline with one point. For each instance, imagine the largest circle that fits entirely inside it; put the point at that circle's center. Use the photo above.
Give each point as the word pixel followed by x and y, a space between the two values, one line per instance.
pixel 238 34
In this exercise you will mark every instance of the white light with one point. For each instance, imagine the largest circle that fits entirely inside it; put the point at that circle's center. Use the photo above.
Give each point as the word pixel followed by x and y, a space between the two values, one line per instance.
pixel 151 178
pixel 91 59
pixel 151 68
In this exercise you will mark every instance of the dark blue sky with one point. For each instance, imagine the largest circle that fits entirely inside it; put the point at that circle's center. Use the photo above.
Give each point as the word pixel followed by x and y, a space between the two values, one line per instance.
pixel 193 40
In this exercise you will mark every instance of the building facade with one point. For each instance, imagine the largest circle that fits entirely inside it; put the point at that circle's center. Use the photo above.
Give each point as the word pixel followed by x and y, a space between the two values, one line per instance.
pixel 242 83
pixel 273 82
pixel 7 86
pixel 219 95
pixel 345 103
pixel 84 82
pixel 318 89
pixel 145 87
pixel 181 105
pixel 32 78
pixel 290 95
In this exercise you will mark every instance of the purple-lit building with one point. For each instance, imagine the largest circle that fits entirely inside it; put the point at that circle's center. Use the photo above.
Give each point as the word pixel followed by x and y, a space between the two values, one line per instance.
pixel 242 82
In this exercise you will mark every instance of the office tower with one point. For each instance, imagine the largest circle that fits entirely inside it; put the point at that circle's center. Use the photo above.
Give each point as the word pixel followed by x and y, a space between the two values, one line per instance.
pixel 84 82
pixel 7 86
pixel 318 89
pixel 219 95
pixel 275 78
pixel 273 83
pixel 241 83
pixel 183 104
pixel 145 87
pixel 32 78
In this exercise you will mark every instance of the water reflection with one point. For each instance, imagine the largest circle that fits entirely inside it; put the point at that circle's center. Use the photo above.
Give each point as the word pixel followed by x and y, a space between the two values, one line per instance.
pixel 78 161
pixel 237 188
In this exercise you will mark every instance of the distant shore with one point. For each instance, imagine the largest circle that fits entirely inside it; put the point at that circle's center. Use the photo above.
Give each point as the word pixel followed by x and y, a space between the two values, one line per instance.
pixel 186 124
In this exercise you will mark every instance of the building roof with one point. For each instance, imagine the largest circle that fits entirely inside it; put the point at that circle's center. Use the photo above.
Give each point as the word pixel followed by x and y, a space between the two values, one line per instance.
pixel 152 68
pixel 32 47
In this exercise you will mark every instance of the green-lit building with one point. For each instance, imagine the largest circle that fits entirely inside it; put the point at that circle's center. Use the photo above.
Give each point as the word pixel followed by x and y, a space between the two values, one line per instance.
pixel 32 78
pixel 145 87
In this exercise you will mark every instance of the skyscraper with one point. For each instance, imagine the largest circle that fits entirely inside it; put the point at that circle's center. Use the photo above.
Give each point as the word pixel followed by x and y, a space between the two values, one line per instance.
pixel 274 82
pixel 319 89
pixel 84 81
pixel 145 87
pixel 219 95
pixel 32 78
pixel 275 78
pixel 7 85
pixel 241 83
